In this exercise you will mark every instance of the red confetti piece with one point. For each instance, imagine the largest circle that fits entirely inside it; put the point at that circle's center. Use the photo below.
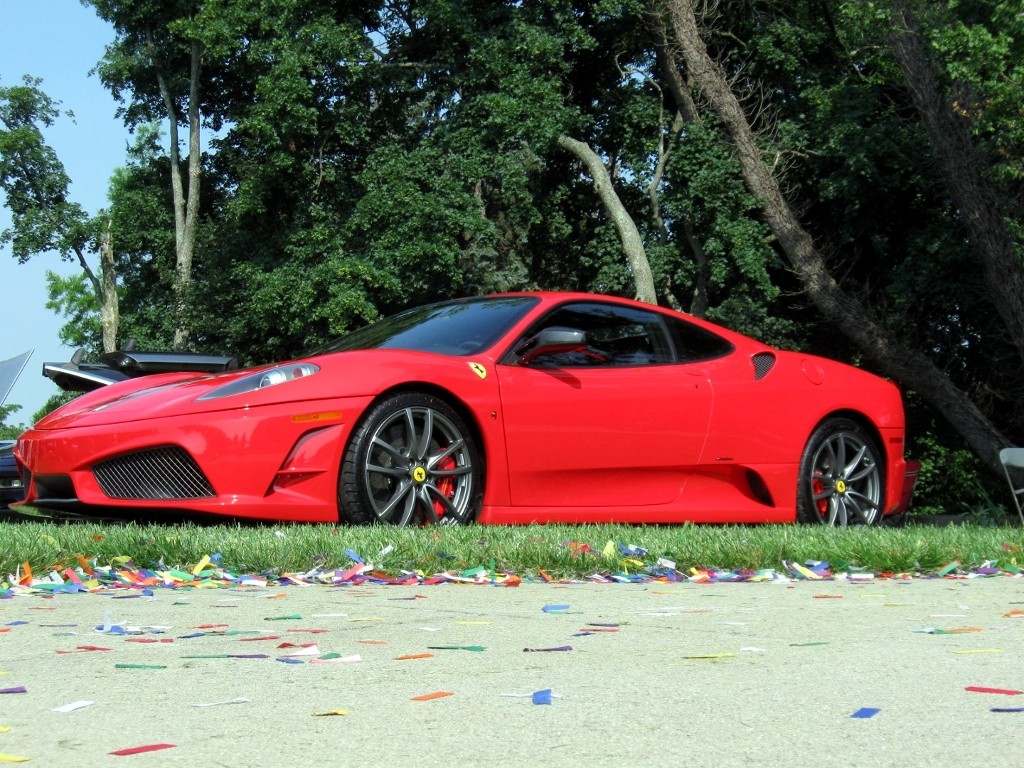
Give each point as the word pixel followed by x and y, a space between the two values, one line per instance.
pixel 410 656
pixel 982 689
pixel 432 696
pixel 143 748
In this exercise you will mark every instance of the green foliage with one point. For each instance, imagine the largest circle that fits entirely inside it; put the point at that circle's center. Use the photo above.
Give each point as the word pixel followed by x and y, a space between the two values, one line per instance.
pixel 9 431
pixel 73 299
pixel 34 179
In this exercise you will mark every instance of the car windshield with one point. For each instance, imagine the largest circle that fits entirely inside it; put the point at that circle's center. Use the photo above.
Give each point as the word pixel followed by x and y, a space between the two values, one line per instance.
pixel 461 327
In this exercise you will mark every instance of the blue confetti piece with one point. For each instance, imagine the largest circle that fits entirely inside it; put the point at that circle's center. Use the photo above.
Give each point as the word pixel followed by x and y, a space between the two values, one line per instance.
pixel 1007 709
pixel 354 557
pixel 290 661
pixel 542 697
pixel 865 712
pixel 556 608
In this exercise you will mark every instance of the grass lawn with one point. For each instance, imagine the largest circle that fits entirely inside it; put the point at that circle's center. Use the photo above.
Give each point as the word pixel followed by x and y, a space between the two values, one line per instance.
pixel 558 550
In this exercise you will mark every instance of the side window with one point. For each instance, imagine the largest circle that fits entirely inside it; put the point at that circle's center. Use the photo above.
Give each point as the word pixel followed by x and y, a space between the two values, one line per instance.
pixel 615 336
pixel 693 343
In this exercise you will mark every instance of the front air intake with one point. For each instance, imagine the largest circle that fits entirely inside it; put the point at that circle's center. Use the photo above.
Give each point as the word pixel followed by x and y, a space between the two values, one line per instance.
pixel 763 363
pixel 165 473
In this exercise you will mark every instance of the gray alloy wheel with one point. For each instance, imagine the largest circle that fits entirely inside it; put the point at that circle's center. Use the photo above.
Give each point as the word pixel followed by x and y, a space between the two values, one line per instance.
pixel 411 461
pixel 842 476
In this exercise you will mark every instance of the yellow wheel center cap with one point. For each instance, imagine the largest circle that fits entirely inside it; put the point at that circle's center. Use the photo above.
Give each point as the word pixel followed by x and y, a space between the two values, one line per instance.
pixel 419 474
pixel 840 486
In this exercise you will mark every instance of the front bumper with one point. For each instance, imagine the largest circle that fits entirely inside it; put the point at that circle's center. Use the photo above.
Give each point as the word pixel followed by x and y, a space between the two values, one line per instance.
pixel 277 462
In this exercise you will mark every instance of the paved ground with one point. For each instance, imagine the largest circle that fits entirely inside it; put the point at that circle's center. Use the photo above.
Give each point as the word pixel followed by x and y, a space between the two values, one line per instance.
pixel 650 675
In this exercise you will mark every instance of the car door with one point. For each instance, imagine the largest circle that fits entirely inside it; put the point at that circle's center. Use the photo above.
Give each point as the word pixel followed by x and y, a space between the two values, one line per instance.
pixel 619 423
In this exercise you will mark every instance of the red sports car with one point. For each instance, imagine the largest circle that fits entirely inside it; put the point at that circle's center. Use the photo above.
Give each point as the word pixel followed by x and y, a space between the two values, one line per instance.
pixel 504 409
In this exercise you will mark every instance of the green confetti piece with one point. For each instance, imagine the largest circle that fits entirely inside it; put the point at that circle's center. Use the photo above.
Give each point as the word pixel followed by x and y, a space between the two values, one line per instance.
pixel 474 648
pixel 949 568
pixel 808 645
pixel 472 572
pixel 140 666
pixel 289 617
pixel 329 656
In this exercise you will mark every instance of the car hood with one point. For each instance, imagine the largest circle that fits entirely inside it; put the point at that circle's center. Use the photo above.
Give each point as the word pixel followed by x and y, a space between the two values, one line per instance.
pixel 175 394
pixel 339 374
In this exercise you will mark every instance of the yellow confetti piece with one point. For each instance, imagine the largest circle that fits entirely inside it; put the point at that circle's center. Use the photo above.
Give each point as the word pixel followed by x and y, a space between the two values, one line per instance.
pixel 609 549
pixel 331 713
pixel 807 573
pixel 5 728
pixel 368 618
pixel 200 565
pixel 981 650
pixel 13 758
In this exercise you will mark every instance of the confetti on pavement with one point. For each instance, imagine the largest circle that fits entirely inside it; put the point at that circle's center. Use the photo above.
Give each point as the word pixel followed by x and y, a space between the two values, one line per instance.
pixel 139 750
pixel 865 712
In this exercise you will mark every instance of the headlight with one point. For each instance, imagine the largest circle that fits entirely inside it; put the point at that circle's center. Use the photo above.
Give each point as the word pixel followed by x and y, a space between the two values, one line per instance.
pixel 262 380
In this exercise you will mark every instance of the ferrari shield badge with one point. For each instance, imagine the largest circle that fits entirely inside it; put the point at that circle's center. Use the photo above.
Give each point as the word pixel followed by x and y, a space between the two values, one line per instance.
pixel 479 370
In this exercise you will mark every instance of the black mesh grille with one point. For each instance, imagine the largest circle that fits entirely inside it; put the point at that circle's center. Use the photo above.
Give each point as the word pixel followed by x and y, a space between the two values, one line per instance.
pixel 763 362
pixel 157 473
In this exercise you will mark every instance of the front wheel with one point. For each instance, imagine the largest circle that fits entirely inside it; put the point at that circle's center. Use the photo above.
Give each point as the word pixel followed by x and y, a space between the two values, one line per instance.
pixel 842 476
pixel 411 461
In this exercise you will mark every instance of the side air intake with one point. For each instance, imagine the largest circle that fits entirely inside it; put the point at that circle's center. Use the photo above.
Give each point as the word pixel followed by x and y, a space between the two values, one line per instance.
pixel 164 473
pixel 763 363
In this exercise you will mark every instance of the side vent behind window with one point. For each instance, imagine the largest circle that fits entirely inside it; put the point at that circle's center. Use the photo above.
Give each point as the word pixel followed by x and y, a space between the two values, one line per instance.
pixel 763 363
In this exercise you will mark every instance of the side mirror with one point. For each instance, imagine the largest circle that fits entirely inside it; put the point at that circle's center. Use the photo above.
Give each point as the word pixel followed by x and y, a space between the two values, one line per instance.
pixel 551 341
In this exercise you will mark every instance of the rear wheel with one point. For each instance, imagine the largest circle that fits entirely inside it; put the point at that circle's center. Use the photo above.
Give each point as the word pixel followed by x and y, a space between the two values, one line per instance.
pixel 842 476
pixel 411 461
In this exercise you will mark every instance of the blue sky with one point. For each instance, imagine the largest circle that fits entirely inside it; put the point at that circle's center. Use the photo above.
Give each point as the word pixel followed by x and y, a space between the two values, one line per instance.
pixel 59 41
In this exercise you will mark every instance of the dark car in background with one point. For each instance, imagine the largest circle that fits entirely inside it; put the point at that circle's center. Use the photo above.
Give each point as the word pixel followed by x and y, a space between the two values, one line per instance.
pixel 11 488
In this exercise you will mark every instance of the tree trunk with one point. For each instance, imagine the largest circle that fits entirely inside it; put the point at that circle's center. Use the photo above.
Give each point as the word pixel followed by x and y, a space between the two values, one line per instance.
pixel 629 235
pixel 110 313
pixel 186 205
pixel 909 367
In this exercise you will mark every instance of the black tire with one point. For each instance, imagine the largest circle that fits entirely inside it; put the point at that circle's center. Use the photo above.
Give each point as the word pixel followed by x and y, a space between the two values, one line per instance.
pixel 411 461
pixel 842 476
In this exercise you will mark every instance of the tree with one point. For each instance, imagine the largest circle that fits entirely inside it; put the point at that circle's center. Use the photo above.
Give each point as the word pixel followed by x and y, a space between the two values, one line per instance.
pixel 158 58
pixel 43 218
pixel 909 366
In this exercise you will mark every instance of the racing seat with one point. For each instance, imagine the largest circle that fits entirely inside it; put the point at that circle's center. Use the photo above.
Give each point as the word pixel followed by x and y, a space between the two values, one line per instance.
pixel 1013 458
